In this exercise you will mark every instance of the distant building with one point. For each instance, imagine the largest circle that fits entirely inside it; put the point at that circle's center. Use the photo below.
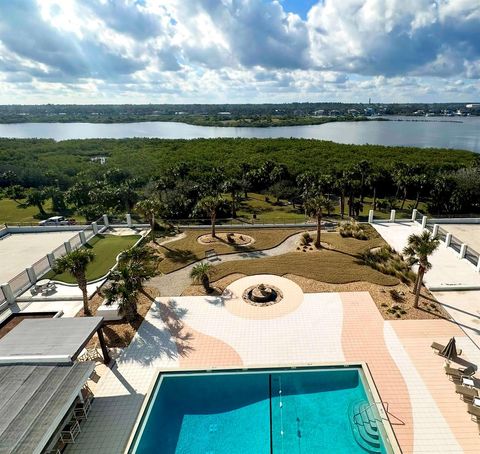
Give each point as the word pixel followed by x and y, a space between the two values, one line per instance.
pixel 224 113
pixel 100 159
pixel 319 113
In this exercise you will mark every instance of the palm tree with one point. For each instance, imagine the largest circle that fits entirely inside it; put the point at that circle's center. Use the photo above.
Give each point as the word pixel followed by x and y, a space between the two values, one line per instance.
pixel 315 206
pixel 148 208
pixel 232 186
pixel 76 263
pixel 202 273
pixel 135 266
pixel 211 205
pixel 419 248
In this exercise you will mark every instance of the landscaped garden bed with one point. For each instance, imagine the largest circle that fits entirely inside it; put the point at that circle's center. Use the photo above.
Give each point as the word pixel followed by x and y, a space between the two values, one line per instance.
pixel 187 250
pixel 120 333
pixel 231 238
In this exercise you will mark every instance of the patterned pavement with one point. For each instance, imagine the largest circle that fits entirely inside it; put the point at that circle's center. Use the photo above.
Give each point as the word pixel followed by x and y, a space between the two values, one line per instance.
pixel 192 332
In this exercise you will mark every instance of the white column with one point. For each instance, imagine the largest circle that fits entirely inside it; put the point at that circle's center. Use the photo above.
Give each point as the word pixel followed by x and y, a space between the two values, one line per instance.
pixel 105 220
pixel 95 227
pixel 424 222
pixel 68 246
pixel 448 239
pixel 82 236
pixel 414 214
pixel 435 229
pixel 51 259
pixel 129 219
pixel 370 216
pixel 392 216
pixel 463 250
pixel 478 264
pixel 32 277
pixel 7 291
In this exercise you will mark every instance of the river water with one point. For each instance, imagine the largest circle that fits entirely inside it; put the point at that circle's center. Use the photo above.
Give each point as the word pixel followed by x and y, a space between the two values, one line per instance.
pixel 451 132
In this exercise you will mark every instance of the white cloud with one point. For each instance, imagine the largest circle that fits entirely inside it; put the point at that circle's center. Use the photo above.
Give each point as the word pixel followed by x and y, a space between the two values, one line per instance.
pixel 238 50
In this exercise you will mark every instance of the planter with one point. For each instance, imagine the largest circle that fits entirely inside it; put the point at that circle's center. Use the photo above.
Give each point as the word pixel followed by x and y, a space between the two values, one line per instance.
pixel 109 312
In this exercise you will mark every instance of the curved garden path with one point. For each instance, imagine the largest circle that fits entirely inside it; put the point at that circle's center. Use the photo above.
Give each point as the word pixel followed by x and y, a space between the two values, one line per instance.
pixel 174 283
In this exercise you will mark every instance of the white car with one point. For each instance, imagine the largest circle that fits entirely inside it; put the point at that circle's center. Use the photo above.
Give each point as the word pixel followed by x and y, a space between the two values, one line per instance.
pixel 55 220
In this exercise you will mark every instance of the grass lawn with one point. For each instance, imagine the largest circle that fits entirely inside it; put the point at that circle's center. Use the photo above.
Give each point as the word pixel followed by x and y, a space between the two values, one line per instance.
pixel 337 266
pixel 188 250
pixel 268 212
pixel 106 248
pixel 271 212
pixel 12 212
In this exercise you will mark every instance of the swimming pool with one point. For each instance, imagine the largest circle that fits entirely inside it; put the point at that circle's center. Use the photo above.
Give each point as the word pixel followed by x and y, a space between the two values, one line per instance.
pixel 306 410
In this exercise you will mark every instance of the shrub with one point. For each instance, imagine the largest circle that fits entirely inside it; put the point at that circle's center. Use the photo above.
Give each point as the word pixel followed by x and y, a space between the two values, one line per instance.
pixel 388 261
pixel 352 229
pixel 396 295
pixel 306 239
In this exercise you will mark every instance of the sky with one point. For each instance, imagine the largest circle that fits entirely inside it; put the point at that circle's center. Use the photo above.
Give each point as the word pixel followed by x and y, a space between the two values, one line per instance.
pixel 239 51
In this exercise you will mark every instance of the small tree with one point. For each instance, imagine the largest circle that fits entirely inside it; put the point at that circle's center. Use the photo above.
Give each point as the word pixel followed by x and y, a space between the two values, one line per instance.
pixel 37 197
pixel 135 266
pixel 148 208
pixel 201 273
pixel 210 205
pixel 314 207
pixel 418 250
pixel 76 263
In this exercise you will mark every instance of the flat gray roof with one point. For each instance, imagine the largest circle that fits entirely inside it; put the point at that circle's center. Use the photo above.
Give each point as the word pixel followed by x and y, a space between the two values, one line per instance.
pixel 34 400
pixel 48 340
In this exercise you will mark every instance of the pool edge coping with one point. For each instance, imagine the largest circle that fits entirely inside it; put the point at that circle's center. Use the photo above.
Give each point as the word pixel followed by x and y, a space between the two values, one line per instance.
pixel 391 438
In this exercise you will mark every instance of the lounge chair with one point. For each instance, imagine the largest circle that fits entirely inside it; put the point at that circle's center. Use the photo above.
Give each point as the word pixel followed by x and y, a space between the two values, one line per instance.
pixel 474 411
pixel 457 374
pixel 467 394
pixel 437 346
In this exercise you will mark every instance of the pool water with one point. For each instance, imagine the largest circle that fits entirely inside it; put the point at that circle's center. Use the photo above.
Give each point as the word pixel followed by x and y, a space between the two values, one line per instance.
pixel 279 411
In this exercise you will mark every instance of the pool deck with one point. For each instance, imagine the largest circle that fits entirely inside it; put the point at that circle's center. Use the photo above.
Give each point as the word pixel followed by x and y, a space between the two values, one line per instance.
pixel 178 333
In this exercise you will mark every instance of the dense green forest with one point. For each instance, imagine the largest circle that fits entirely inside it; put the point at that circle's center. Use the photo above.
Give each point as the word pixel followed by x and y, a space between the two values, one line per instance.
pixel 223 114
pixel 106 175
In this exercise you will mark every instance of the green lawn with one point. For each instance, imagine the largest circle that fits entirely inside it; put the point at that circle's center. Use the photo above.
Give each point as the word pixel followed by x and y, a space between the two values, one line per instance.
pixel 268 212
pixel 12 212
pixel 106 248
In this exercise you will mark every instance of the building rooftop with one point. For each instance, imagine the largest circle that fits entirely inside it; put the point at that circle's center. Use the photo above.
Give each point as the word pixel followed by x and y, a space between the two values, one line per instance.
pixel 52 340
pixel 33 401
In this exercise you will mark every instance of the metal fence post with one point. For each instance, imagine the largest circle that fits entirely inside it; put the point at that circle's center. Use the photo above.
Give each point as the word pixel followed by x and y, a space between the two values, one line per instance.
pixel 106 221
pixel 414 214
pixel 95 227
pixel 478 264
pixel 370 216
pixel 392 216
pixel 129 219
pixel 463 250
pixel 31 275
pixel 83 238
pixel 435 229
pixel 7 292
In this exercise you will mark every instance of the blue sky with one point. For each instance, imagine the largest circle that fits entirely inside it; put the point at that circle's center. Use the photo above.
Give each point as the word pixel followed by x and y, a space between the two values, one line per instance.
pixel 217 51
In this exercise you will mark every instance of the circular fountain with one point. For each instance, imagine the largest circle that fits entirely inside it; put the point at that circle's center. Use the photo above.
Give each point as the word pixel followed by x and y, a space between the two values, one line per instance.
pixel 262 295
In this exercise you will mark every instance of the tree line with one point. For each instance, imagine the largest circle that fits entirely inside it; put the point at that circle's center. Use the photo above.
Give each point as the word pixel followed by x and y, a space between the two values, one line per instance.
pixel 168 178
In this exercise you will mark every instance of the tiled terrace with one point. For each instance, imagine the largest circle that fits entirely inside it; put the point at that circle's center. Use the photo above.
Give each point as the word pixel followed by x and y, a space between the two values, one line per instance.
pixel 190 332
